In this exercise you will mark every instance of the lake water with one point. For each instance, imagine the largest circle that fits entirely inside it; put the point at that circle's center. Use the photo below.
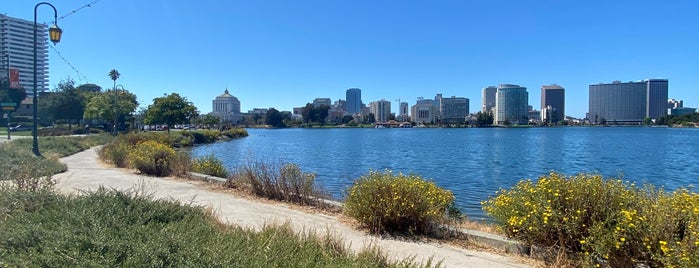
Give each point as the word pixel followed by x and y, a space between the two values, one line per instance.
pixel 473 162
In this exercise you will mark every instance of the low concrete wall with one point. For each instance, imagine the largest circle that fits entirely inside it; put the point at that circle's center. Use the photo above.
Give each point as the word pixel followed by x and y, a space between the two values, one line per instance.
pixel 486 239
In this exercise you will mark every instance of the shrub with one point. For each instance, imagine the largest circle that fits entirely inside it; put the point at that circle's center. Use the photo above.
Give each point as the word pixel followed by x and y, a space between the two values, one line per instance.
pixel 285 183
pixel 152 158
pixel 210 165
pixel 383 201
pixel 235 133
pixel 116 153
pixel 601 222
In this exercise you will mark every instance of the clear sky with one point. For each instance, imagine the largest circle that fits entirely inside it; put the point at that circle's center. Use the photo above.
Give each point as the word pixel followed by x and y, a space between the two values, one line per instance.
pixel 283 54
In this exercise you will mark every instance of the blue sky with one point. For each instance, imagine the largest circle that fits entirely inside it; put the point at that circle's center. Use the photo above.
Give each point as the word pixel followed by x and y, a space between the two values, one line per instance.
pixel 283 54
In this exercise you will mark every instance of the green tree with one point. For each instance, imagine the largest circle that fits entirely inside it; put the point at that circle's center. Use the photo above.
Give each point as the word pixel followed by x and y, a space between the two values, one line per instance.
pixel 484 119
pixel 346 119
pixel 102 106
pixel 170 110
pixel 274 118
pixel 66 103
pixel 208 120
pixel 647 121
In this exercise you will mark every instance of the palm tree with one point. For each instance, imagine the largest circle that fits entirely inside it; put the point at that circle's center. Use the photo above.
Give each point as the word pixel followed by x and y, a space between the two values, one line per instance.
pixel 114 75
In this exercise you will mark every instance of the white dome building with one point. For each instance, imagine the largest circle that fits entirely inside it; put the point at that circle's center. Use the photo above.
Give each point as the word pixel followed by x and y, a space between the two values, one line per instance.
pixel 227 108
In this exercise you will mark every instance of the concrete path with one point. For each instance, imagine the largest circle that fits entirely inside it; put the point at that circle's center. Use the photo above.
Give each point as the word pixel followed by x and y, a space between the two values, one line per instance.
pixel 86 172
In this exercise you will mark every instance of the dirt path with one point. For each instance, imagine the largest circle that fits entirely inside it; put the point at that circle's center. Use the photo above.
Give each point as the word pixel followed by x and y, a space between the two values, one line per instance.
pixel 85 172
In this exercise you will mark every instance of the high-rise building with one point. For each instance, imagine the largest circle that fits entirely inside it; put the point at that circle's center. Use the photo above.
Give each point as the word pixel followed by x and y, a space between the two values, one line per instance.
pixel 627 103
pixel 381 110
pixel 403 112
pixel 454 110
pixel 553 103
pixel 17 42
pixel 511 105
pixel 488 98
pixel 354 101
pixel 656 104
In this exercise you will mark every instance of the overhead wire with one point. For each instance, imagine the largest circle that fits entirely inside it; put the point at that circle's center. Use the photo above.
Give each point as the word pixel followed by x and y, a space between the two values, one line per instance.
pixel 80 75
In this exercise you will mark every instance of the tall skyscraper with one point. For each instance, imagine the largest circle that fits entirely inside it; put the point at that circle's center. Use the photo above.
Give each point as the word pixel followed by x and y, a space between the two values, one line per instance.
pixel 381 110
pixel 511 103
pixel 488 98
pixel 627 103
pixel 553 102
pixel 17 41
pixel 354 100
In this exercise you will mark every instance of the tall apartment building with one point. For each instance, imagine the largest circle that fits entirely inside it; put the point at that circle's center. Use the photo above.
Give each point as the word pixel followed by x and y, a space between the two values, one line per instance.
pixel 511 103
pixel 488 98
pixel 354 100
pixel 553 103
pixel 17 41
pixel 454 110
pixel 381 110
pixel 627 102
pixel 424 111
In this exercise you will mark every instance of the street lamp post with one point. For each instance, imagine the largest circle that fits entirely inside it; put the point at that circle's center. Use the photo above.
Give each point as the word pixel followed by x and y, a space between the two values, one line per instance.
pixel 116 107
pixel 55 36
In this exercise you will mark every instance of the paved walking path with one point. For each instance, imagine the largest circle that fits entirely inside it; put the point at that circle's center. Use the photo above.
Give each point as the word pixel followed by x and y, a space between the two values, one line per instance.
pixel 86 172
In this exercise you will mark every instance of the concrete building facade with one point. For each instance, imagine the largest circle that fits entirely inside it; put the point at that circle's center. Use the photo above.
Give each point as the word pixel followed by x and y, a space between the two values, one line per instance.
pixel 381 110
pixel 424 112
pixel 17 41
pixel 488 100
pixel 454 110
pixel 227 108
pixel 511 105
pixel 627 102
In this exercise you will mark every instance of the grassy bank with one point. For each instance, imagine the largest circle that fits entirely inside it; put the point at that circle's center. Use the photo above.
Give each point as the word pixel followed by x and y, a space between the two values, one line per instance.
pixel 39 227
pixel 111 228
pixel 19 162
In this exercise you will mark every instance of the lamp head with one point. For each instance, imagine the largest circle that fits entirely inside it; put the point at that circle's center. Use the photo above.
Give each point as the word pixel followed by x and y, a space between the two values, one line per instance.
pixel 55 33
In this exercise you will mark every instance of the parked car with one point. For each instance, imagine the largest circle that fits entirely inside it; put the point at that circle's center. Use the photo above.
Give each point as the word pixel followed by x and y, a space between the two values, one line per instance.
pixel 20 128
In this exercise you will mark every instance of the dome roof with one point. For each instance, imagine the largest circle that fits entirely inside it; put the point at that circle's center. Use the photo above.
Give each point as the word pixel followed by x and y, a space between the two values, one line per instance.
pixel 226 96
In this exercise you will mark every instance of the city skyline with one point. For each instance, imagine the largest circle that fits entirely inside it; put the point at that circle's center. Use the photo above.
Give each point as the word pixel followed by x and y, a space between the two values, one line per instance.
pixel 285 54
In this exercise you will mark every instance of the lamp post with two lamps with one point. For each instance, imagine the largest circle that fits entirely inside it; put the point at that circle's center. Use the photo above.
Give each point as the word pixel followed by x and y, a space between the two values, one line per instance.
pixel 55 36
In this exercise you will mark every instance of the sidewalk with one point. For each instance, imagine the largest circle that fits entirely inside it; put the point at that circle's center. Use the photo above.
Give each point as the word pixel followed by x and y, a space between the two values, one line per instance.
pixel 85 172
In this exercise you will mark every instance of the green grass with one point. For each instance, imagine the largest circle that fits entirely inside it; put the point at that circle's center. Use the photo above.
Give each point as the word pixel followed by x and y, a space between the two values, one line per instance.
pixel 19 162
pixel 111 228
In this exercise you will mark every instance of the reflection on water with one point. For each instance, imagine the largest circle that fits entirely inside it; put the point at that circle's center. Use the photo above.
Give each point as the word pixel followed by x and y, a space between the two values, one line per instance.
pixel 473 163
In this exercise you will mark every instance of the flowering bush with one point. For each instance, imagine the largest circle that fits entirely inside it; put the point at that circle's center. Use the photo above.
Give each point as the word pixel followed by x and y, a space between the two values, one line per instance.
pixel 603 222
pixel 210 165
pixel 383 201
pixel 152 157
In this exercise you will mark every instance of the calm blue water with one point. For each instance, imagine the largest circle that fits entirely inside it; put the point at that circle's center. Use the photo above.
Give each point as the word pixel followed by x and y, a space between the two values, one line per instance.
pixel 474 162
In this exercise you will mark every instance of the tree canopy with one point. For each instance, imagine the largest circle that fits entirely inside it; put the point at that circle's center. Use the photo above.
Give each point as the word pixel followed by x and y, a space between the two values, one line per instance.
pixel 170 110
pixel 66 103
pixel 274 118
pixel 104 104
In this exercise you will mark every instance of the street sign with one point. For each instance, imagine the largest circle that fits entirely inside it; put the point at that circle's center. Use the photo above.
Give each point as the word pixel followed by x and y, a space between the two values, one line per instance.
pixel 8 104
